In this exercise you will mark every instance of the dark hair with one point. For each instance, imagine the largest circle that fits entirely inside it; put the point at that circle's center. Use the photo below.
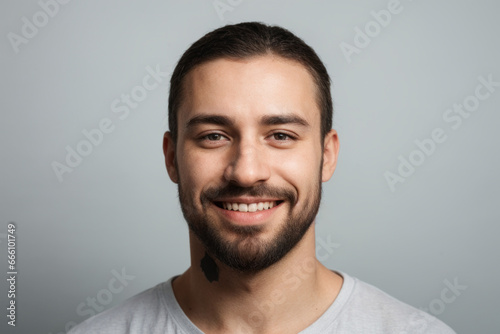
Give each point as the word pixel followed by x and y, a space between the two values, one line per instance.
pixel 244 40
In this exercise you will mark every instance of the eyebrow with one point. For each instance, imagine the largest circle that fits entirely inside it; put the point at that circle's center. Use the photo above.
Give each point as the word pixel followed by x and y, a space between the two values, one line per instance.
pixel 209 119
pixel 265 120
pixel 284 119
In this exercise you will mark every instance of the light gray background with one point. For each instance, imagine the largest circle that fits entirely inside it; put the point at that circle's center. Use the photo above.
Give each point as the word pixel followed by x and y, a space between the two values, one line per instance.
pixel 118 209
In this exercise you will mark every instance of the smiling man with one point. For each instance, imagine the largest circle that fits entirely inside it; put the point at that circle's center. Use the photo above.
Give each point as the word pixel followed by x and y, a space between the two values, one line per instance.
pixel 250 143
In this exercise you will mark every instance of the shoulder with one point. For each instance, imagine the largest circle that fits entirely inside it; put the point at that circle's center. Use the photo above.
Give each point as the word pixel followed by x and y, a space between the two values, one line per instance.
pixel 385 314
pixel 131 316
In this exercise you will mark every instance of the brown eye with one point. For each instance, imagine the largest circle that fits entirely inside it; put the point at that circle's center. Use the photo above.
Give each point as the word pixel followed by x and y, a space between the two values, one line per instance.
pixel 281 136
pixel 214 136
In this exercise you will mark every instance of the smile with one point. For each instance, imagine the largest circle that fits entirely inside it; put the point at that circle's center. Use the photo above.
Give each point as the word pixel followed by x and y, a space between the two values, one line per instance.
pixel 247 207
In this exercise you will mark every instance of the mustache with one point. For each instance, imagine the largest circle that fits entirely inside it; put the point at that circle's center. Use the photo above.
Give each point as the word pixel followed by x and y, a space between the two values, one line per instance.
pixel 260 190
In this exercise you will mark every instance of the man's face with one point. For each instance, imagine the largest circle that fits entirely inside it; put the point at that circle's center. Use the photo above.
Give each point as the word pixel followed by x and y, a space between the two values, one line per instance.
pixel 248 158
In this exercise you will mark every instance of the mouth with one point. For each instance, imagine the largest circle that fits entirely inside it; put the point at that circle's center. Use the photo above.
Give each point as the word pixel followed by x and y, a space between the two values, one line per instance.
pixel 248 207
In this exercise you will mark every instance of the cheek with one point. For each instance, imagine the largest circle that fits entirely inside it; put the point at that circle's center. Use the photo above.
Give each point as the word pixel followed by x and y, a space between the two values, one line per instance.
pixel 300 170
pixel 197 171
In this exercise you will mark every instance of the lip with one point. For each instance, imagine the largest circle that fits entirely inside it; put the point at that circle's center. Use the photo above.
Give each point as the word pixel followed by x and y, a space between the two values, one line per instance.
pixel 247 218
pixel 247 200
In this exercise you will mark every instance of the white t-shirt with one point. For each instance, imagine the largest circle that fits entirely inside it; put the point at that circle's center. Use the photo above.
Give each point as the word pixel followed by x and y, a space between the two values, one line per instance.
pixel 358 308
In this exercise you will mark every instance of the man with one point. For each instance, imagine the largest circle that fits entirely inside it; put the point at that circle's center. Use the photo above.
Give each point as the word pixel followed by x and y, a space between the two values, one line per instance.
pixel 250 143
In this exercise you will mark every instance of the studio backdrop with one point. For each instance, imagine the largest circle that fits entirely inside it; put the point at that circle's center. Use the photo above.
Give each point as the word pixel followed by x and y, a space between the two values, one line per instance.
pixel 89 217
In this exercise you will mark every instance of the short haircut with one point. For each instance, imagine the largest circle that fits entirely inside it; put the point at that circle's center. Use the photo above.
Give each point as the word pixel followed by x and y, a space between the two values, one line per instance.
pixel 245 40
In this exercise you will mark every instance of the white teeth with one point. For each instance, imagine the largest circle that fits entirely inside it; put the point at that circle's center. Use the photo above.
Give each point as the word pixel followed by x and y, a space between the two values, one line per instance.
pixel 251 207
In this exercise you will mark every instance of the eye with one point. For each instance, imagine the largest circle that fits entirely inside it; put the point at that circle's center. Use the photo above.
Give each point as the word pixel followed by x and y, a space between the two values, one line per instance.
pixel 213 137
pixel 281 136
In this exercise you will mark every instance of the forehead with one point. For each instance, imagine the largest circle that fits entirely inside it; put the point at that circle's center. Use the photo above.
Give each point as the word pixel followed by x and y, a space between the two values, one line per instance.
pixel 250 88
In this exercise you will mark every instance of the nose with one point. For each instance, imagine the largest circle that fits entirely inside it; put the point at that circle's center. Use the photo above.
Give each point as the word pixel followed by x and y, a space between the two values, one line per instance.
pixel 249 164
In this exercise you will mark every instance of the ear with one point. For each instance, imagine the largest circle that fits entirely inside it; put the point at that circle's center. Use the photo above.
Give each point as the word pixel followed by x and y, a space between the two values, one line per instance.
pixel 330 154
pixel 169 152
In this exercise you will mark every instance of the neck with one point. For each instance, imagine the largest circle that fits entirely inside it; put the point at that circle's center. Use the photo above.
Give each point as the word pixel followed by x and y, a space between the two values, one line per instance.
pixel 258 302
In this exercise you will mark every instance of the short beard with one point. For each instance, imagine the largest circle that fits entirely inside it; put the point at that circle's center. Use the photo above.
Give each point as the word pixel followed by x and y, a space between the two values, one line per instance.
pixel 248 253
